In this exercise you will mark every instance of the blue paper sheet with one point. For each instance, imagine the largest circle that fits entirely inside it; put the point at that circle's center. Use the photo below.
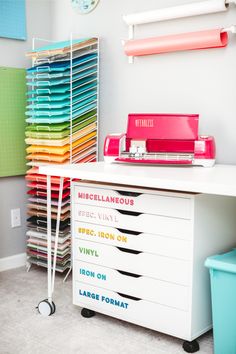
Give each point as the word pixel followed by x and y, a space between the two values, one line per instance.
pixel 12 19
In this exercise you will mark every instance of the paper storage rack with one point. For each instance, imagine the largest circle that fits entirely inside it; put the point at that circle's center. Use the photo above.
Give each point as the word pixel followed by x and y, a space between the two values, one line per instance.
pixel 62 117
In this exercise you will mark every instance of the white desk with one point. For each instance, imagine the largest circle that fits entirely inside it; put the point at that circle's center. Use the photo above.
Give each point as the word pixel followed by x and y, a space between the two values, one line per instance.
pixel 205 231
pixel 219 180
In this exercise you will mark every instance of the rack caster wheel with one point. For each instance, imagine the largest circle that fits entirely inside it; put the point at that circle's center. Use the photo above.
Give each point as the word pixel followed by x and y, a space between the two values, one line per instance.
pixel 87 313
pixel 191 347
pixel 46 308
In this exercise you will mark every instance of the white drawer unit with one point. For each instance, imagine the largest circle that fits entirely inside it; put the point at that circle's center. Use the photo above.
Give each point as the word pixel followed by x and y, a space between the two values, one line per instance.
pixel 138 254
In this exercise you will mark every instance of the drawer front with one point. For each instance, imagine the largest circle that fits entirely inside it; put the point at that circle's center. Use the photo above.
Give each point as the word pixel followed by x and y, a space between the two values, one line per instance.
pixel 149 289
pixel 153 224
pixel 165 246
pixel 147 264
pixel 160 204
pixel 148 314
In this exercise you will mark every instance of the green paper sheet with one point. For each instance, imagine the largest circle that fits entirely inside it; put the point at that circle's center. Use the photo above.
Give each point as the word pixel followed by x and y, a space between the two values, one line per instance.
pixel 12 121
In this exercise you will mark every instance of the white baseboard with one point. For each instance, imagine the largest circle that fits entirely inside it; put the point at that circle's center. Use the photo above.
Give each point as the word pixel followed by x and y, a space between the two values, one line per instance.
pixel 16 261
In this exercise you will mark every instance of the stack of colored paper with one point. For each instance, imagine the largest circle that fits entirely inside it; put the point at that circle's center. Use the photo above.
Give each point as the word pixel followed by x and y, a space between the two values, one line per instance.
pixel 62 128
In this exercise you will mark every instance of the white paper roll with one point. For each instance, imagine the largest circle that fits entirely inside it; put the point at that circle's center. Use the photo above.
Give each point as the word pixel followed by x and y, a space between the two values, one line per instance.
pixel 193 9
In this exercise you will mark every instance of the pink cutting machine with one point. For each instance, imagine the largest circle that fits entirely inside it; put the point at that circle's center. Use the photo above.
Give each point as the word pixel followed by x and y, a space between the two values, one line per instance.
pixel 164 139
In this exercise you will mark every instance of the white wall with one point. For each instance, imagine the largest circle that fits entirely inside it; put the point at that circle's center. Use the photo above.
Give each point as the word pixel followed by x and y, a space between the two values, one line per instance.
pixel 13 189
pixel 186 82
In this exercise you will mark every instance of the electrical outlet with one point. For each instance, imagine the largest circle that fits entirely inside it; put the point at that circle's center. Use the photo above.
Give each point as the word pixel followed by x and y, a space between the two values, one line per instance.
pixel 15 217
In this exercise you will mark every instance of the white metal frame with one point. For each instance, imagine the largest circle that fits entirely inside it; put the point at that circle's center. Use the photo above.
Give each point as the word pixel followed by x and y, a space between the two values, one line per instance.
pixel 51 261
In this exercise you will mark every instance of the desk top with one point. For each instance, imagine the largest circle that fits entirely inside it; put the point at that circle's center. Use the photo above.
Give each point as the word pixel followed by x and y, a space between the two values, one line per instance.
pixel 220 179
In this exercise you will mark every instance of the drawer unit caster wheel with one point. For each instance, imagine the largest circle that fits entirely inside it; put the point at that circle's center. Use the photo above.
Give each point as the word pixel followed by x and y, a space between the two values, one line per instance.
pixel 46 308
pixel 87 313
pixel 191 347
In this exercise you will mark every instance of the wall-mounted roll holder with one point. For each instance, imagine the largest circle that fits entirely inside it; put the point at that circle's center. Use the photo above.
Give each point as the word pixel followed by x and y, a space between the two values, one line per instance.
pixel 181 11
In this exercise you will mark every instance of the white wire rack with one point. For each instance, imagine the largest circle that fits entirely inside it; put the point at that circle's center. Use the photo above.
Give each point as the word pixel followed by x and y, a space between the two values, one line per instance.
pixel 81 83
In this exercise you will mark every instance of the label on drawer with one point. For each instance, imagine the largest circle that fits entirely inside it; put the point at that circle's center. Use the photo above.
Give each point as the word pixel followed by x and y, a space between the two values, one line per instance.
pixel 152 265
pixel 168 204
pixel 102 298
pixel 88 252
pixel 139 241
pixel 154 224
pixel 146 288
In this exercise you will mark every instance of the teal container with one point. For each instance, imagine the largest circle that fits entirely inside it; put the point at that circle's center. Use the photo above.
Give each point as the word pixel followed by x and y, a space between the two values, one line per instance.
pixel 223 295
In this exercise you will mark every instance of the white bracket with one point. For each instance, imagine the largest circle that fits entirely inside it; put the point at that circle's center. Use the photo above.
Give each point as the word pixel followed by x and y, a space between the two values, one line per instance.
pixel 131 36
pixel 228 2
pixel 131 58
pixel 231 29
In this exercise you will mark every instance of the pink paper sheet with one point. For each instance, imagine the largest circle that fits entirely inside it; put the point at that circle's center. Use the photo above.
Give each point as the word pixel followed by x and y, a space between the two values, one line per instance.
pixel 177 42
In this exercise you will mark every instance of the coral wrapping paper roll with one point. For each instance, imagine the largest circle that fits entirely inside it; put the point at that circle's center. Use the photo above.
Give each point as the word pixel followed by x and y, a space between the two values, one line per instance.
pixel 177 42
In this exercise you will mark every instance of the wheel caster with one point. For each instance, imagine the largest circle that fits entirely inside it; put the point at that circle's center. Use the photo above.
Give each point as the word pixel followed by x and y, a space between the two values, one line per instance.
pixel 87 313
pixel 191 347
pixel 46 308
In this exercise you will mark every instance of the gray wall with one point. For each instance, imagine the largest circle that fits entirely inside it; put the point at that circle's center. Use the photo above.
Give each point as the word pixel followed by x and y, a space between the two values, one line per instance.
pixel 12 189
pixel 186 82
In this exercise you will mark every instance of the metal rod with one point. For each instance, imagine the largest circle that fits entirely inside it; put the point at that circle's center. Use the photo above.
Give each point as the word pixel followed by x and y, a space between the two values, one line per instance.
pixel 57 231
pixel 67 274
pixel 49 239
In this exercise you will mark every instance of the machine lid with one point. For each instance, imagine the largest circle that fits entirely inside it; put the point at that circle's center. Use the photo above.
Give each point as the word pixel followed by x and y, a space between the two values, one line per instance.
pixel 162 126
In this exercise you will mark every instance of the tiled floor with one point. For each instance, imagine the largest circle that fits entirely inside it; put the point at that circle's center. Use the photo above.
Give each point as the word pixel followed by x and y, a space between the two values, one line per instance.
pixel 24 331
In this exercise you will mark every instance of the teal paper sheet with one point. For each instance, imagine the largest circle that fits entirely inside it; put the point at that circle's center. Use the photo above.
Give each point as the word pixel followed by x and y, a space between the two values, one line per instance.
pixel 62 88
pixel 61 126
pixel 65 74
pixel 61 104
pixel 48 83
pixel 63 118
pixel 62 97
pixel 58 112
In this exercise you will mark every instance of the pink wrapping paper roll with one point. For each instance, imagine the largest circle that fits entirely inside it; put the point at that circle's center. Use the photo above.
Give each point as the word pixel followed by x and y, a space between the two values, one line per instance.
pixel 177 42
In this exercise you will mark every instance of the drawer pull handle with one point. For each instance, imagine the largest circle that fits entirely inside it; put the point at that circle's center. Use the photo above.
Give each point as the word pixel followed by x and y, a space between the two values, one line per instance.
pixel 129 194
pixel 129 274
pixel 126 212
pixel 136 233
pixel 129 297
pixel 128 250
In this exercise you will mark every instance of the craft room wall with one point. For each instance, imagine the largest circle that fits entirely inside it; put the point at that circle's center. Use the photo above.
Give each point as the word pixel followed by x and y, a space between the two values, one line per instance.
pixel 186 82
pixel 12 189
